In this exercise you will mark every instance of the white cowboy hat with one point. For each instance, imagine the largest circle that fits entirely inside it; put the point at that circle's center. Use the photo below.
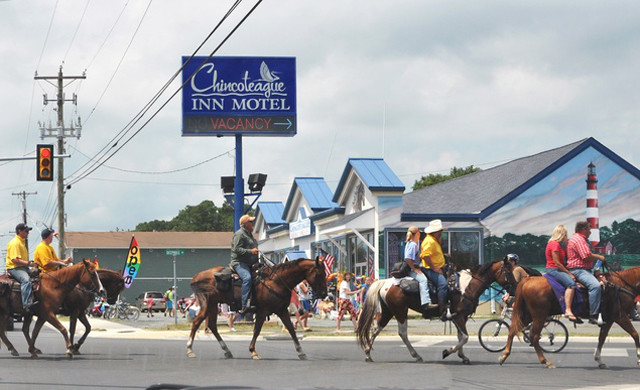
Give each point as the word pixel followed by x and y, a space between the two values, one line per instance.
pixel 434 226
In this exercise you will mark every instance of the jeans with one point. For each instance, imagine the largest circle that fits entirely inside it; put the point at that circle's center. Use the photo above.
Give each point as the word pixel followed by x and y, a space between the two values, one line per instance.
pixel 562 277
pixel 424 287
pixel 593 286
pixel 21 274
pixel 440 282
pixel 244 272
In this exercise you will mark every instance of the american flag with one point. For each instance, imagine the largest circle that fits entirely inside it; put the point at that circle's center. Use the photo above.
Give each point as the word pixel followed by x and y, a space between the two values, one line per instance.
pixel 371 267
pixel 328 261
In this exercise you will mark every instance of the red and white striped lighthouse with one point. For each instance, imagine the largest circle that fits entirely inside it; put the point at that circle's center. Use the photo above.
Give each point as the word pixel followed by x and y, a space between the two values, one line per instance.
pixel 592 205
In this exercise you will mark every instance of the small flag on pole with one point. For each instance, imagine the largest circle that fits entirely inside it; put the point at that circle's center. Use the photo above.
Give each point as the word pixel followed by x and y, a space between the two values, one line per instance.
pixel 328 261
pixel 132 264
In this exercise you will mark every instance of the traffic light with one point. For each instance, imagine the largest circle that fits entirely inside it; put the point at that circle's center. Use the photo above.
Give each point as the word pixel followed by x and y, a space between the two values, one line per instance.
pixel 44 163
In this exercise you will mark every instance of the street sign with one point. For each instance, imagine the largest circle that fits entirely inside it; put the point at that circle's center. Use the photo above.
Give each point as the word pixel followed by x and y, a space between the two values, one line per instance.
pixel 174 252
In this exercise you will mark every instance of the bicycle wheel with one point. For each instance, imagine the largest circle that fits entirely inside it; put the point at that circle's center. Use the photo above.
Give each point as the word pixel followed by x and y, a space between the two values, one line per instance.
pixel 554 336
pixel 110 313
pixel 493 335
pixel 133 313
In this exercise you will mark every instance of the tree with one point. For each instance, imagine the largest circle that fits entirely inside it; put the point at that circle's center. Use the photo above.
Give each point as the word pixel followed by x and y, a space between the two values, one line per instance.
pixel 432 179
pixel 205 217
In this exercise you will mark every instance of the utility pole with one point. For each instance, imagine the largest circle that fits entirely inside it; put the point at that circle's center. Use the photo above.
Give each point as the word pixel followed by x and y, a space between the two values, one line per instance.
pixel 60 132
pixel 24 194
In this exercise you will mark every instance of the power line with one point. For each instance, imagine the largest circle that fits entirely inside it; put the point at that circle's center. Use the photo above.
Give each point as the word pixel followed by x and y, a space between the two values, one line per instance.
pixel 47 36
pixel 76 32
pixel 91 169
pixel 106 38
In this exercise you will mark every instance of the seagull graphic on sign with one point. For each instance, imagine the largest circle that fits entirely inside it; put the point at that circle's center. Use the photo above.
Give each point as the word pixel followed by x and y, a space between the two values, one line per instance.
pixel 266 74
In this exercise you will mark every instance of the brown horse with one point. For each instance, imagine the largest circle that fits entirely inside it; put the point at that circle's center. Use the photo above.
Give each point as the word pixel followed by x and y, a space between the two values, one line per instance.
pixel 395 303
pixel 54 288
pixel 535 301
pixel 271 294
pixel 76 303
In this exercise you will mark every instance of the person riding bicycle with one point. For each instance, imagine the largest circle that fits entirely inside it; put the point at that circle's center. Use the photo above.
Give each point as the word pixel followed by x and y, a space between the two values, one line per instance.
pixel 244 254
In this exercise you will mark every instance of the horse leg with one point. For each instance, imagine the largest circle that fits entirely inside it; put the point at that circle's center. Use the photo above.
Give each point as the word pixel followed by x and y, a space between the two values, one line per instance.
pixel 51 318
pixel 604 331
pixel 87 328
pixel 402 331
pixel 202 314
pixel 213 325
pixel 4 318
pixel 463 338
pixel 625 323
pixel 286 321
pixel 534 335
pixel 73 320
pixel 513 331
pixel 257 327
pixel 385 317
pixel 26 324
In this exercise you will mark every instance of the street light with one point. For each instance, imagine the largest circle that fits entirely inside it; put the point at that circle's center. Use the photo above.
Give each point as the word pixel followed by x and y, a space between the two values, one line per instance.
pixel 227 184
pixel 257 181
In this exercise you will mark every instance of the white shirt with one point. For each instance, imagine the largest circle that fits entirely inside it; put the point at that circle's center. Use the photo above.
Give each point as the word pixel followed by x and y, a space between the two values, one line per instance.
pixel 303 296
pixel 344 287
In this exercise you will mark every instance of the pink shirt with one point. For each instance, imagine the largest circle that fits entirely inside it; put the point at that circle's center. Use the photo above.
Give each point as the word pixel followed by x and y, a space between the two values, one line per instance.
pixel 577 252
pixel 554 246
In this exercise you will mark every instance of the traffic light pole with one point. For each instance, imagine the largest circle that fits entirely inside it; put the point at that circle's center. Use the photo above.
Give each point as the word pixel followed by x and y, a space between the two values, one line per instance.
pixel 238 186
pixel 60 132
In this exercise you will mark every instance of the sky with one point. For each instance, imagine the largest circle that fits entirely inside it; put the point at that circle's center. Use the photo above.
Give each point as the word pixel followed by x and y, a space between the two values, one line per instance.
pixel 426 85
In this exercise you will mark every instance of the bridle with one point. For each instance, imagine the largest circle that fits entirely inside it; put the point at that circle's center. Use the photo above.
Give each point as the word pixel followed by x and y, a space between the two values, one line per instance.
pixel 95 289
pixel 486 284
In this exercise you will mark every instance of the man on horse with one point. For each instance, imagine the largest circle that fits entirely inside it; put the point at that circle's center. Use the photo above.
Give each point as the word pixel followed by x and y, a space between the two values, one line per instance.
pixel 244 254
pixel 580 262
pixel 45 256
pixel 434 262
pixel 18 265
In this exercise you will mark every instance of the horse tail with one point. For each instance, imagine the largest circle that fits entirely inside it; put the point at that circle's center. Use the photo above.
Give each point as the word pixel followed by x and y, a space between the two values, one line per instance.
pixel 367 314
pixel 519 308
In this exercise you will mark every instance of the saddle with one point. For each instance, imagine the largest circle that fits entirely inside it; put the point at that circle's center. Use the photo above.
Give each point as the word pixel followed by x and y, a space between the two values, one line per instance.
pixel 226 279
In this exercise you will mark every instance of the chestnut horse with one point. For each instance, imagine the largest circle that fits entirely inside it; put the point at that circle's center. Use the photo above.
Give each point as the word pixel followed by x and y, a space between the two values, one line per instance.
pixel 271 294
pixel 76 303
pixel 54 288
pixel 395 303
pixel 535 301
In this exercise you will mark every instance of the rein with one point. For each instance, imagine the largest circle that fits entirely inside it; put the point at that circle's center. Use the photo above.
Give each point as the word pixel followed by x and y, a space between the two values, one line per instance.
pixel 634 292
pixel 72 286
pixel 261 281
pixel 485 285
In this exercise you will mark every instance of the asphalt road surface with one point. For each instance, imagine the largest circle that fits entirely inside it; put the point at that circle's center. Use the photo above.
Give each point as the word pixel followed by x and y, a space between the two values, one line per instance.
pixel 333 363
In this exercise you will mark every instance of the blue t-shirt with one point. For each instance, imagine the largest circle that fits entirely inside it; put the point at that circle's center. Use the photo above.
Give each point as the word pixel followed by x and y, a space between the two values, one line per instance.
pixel 411 252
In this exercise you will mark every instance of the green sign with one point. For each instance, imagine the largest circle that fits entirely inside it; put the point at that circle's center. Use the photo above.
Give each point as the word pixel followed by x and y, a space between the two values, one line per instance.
pixel 174 252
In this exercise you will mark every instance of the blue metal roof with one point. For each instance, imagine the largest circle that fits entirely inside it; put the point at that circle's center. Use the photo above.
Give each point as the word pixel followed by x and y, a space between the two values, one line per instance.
pixel 314 190
pixel 271 212
pixel 295 255
pixel 374 172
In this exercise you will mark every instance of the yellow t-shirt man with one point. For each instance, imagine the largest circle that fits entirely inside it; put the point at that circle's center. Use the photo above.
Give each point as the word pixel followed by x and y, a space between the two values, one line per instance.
pixel 431 247
pixel 44 256
pixel 16 249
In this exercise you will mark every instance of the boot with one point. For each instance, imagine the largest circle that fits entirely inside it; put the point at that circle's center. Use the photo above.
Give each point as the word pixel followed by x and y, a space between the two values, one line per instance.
pixel 426 309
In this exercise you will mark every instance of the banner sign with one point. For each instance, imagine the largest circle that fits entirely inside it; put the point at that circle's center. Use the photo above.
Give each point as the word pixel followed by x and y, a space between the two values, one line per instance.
pixel 239 95
pixel 132 264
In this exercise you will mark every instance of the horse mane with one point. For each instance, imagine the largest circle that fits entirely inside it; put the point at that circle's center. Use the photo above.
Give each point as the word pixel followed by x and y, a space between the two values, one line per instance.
pixel 62 275
pixel 483 268
pixel 287 264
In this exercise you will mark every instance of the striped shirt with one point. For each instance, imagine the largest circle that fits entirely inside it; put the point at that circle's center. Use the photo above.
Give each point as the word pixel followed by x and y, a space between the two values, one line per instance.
pixel 577 252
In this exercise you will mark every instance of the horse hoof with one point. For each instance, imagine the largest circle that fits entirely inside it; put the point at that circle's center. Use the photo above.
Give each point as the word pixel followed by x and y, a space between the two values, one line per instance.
pixel 227 355
pixel 302 356
pixel 256 357
pixel 190 354
pixel 602 366
pixel 550 365
pixel 466 361
pixel 14 353
pixel 368 359
pixel 37 351
pixel 445 353
pixel 501 360
pixel 419 359
pixel 69 355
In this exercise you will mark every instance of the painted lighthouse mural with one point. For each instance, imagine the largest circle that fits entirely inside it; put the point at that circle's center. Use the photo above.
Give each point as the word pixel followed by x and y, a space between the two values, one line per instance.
pixel 592 204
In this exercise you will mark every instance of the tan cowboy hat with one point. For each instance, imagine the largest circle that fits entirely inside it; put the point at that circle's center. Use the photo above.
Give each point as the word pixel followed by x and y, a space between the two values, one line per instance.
pixel 434 226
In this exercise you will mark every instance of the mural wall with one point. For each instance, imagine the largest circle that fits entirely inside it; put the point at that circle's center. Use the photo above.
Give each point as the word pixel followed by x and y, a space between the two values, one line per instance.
pixel 612 204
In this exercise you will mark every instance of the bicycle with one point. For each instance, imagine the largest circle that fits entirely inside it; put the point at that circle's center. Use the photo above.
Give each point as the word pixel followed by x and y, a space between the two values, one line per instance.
pixel 493 334
pixel 123 311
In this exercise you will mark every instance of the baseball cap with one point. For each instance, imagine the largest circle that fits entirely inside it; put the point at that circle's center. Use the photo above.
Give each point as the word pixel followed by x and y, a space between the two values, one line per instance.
pixel 22 226
pixel 246 218
pixel 46 232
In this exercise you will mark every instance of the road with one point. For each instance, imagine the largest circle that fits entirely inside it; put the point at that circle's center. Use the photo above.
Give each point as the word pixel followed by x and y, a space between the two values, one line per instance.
pixel 127 362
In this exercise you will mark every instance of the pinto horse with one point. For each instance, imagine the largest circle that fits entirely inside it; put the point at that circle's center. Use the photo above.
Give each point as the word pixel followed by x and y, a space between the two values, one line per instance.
pixel 54 288
pixel 75 305
pixel 271 295
pixel 395 303
pixel 535 301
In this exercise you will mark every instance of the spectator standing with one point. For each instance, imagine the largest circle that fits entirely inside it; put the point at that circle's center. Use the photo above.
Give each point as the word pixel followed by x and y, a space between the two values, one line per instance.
pixel 304 296
pixel 344 301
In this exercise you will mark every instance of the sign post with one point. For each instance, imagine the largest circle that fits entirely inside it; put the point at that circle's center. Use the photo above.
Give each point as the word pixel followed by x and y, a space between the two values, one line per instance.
pixel 174 253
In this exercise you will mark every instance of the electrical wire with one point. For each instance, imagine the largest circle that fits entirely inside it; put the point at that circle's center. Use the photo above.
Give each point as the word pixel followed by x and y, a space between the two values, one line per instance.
pixel 76 32
pixel 44 45
pixel 107 37
pixel 97 162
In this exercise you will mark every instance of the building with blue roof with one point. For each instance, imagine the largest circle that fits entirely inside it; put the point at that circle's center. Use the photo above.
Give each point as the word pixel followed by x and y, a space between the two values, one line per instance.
pixel 512 207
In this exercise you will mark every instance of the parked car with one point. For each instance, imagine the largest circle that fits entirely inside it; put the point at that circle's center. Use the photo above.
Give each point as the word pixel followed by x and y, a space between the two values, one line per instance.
pixel 158 301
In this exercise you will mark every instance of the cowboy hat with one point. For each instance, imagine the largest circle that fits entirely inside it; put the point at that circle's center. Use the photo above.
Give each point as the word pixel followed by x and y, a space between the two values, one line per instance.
pixel 434 226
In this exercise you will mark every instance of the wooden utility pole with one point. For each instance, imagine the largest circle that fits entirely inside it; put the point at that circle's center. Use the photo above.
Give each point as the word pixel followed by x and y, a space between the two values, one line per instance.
pixel 60 132
pixel 23 195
